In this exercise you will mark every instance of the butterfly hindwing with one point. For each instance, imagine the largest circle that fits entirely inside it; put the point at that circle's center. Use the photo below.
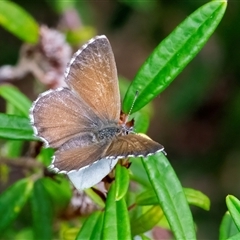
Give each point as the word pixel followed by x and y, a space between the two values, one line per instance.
pixel 132 145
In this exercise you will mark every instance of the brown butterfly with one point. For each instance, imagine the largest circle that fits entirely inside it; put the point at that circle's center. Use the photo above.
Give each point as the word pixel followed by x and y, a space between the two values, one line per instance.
pixel 82 122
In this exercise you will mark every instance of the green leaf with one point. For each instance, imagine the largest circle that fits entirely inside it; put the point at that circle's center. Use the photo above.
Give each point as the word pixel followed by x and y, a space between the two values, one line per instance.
pixel 235 237
pixel 172 55
pixel 45 156
pixel 233 205
pixel 97 230
pixel 146 198
pixel 15 127
pixel 12 149
pixel 12 95
pixel 110 216
pixel 194 197
pixel 227 227
pixel 26 233
pixel 138 173
pixel 89 227
pixel 123 222
pixel 122 181
pixel 170 196
pixel 197 198
pixel 16 20
pixel 41 212
pixel 133 210
pixel 147 220
pixel 80 35
pixel 116 220
pixel 59 191
pixel 12 201
pixel 95 197
pixel 11 109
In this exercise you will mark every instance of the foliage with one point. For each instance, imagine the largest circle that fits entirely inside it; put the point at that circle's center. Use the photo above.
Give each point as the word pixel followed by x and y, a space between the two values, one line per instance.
pixel 125 213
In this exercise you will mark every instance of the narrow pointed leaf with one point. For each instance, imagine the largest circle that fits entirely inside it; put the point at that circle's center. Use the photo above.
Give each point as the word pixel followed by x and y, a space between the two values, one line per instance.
pixel 233 205
pixel 97 231
pixel 197 198
pixel 15 127
pixel 123 223
pixel 41 212
pixel 45 156
pixel 26 234
pixel 12 95
pixel 12 201
pixel 12 149
pixel 170 196
pixel 16 20
pixel 116 221
pixel 227 227
pixel 122 181
pixel 59 192
pixel 235 237
pixel 172 55
pixel 147 220
pixel 194 197
pixel 110 216
pixel 95 197
pixel 138 173
pixel 87 230
pixel 11 109
pixel 147 197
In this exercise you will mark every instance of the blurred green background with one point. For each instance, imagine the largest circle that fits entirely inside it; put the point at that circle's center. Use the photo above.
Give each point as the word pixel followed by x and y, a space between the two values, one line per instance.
pixel 197 118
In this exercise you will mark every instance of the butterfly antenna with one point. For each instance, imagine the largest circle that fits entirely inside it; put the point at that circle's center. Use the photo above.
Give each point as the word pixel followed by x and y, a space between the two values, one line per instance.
pixel 134 100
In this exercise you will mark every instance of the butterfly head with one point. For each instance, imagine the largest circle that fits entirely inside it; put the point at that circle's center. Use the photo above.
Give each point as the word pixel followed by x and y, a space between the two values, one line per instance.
pixel 127 126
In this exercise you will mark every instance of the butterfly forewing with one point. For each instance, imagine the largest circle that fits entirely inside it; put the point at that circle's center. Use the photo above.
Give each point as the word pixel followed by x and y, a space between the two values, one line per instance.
pixel 57 117
pixel 92 75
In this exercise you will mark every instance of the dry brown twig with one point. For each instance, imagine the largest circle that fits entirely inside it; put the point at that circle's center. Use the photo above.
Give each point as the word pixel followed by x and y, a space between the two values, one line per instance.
pixel 46 61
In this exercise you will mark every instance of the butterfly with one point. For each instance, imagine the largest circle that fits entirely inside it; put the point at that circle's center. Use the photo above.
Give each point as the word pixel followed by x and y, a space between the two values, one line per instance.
pixel 82 121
